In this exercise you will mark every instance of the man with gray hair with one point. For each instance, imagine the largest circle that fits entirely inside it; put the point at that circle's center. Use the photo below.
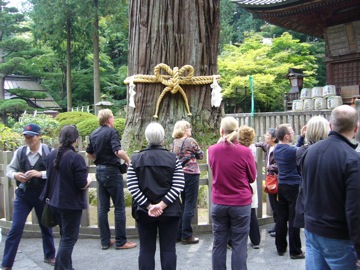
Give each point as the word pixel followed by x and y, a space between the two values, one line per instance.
pixel 331 188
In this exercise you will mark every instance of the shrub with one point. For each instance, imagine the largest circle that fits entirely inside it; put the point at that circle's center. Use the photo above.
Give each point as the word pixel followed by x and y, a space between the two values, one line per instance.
pixel 119 125
pixel 48 124
pixel 87 126
pixel 77 116
pixel 93 200
pixel 9 140
pixel 202 197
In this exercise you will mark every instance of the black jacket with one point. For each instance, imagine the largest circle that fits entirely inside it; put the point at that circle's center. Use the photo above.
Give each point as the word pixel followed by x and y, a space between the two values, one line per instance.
pixel 156 175
pixel 331 189
pixel 69 179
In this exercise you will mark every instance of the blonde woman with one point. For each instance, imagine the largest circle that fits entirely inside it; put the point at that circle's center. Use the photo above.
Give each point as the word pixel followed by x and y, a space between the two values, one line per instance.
pixel 188 152
pixel 233 168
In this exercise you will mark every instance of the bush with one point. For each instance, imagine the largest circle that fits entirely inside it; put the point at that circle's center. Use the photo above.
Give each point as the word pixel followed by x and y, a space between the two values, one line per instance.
pixel 9 140
pixel 202 197
pixel 73 118
pixel 93 200
pixel 86 127
pixel 119 125
pixel 48 124
pixel 76 116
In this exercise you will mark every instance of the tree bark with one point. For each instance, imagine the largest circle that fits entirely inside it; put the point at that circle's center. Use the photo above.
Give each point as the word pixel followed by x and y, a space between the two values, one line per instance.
pixel 175 33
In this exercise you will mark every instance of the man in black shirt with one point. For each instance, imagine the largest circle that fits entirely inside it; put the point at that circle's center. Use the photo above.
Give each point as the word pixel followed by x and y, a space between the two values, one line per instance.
pixel 105 149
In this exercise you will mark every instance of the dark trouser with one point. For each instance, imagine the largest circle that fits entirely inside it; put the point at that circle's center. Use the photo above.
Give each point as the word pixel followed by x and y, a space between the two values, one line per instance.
pixel 189 199
pixel 254 233
pixel 230 222
pixel 286 212
pixel 111 185
pixel 147 228
pixel 24 203
pixel 274 205
pixel 69 221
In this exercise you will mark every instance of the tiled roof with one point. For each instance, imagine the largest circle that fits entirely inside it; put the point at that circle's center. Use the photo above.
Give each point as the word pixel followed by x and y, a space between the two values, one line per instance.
pixel 263 3
pixel 311 17
pixel 29 83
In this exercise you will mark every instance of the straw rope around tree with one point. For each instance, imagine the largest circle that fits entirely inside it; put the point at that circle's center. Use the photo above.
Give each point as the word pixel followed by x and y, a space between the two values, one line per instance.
pixel 176 77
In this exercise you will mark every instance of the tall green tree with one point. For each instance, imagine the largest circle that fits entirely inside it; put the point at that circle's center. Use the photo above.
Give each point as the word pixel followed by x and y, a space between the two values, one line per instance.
pixel 268 65
pixel 56 25
pixel 10 25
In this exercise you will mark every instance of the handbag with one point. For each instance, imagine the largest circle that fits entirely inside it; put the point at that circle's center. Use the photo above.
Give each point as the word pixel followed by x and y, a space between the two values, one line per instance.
pixel 184 159
pixel 271 184
pixel 48 218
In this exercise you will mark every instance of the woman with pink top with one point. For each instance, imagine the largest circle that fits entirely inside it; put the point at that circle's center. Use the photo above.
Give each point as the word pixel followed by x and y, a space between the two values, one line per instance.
pixel 233 169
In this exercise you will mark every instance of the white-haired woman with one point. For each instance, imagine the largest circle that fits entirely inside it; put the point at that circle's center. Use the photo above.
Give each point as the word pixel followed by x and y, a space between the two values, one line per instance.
pixel 233 168
pixel 156 179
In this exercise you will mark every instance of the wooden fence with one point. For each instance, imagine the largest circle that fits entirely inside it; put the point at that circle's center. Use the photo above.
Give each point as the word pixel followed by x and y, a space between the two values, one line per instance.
pixel 261 122
pixel 7 196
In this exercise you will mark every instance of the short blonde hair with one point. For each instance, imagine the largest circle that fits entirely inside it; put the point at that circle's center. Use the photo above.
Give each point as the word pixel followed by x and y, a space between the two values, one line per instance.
pixel 317 128
pixel 246 135
pixel 104 115
pixel 230 126
pixel 180 128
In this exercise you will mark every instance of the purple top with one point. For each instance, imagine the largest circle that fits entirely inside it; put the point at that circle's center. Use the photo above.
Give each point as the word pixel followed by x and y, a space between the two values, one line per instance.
pixel 233 169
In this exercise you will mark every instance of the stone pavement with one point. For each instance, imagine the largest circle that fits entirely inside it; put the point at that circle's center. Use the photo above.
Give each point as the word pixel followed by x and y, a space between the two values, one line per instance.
pixel 88 255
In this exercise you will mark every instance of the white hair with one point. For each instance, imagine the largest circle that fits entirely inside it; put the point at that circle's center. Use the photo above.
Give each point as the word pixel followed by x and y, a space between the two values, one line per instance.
pixel 154 133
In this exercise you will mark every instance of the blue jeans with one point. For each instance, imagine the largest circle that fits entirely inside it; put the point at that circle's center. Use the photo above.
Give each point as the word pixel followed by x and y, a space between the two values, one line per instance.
pixel 189 198
pixel 69 222
pixel 111 185
pixel 148 230
pixel 286 213
pixel 24 203
pixel 226 219
pixel 325 253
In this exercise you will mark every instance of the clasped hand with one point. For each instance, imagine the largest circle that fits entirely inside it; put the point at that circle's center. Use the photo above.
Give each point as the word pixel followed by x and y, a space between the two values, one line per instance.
pixel 156 210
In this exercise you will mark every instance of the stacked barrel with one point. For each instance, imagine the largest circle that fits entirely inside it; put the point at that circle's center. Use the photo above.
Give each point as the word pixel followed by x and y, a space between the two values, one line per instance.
pixel 317 98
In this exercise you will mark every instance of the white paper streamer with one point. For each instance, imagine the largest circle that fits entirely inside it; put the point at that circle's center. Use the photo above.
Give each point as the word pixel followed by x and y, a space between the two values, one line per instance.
pixel 216 96
pixel 132 92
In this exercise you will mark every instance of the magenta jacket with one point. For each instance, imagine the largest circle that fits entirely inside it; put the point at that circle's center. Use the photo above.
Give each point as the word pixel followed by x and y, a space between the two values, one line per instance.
pixel 233 169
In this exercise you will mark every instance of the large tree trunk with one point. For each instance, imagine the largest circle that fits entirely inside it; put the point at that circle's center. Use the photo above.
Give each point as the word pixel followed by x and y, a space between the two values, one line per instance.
pixel 175 33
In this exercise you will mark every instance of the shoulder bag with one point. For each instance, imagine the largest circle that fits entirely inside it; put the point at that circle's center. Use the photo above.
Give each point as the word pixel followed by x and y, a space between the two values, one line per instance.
pixel 271 184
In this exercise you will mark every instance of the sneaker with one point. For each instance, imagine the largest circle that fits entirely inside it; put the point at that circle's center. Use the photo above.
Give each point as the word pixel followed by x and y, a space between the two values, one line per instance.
pixel 127 245
pixel 273 234
pixel 50 261
pixel 299 256
pixel 255 246
pixel 271 230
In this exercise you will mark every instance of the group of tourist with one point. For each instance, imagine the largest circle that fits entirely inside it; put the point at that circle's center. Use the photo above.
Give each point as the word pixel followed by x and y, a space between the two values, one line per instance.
pixel 318 187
